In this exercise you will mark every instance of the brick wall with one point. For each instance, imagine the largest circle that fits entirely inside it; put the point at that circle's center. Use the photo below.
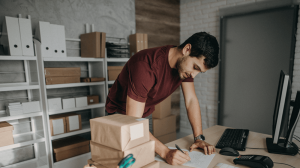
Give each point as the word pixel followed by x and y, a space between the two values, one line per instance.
pixel 203 15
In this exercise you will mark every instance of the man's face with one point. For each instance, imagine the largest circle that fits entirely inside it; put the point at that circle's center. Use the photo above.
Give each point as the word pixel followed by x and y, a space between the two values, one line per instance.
pixel 190 66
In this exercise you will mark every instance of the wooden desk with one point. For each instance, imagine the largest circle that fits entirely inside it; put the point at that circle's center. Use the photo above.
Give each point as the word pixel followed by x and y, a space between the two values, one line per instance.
pixel 255 140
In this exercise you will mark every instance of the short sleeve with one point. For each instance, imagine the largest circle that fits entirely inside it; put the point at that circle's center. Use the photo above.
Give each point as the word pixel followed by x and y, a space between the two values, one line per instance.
pixel 188 80
pixel 141 80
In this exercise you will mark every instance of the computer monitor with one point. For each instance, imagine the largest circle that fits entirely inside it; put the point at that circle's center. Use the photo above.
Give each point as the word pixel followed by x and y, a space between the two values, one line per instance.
pixel 283 125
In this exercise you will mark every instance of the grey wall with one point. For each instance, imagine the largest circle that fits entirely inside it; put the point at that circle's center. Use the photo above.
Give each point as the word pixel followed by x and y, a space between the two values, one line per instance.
pixel 115 17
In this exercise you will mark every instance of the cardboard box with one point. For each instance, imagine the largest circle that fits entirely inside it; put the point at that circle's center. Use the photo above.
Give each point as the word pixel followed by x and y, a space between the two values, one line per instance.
pixel 120 132
pixel 54 104
pixel 69 147
pixel 57 124
pixel 92 99
pixel 61 80
pixel 164 126
pixel 145 41
pixel 93 44
pixel 73 122
pixel 97 79
pixel 113 72
pixel 6 134
pixel 31 107
pixel 167 138
pixel 85 80
pixel 136 43
pixel 143 153
pixel 112 164
pixel 62 72
pixel 81 101
pixel 163 109
pixel 154 164
pixel 68 103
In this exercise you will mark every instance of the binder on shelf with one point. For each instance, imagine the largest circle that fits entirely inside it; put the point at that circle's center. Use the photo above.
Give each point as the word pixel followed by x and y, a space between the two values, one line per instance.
pixel 43 34
pixel 11 39
pixel 26 37
pixel 58 40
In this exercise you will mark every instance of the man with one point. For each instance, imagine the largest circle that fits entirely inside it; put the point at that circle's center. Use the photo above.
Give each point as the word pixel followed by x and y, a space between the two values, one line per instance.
pixel 153 74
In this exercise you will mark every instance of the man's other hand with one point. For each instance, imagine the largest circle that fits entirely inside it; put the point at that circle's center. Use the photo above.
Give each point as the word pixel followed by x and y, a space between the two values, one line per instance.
pixel 208 148
pixel 176 157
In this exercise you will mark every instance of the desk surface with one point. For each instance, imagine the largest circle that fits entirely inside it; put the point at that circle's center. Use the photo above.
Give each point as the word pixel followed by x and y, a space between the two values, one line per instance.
pixel 255 140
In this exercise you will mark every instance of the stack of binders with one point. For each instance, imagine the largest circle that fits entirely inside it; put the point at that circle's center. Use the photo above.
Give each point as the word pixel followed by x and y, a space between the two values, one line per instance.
pixel 115 50
pixel 116 136
pixel 17 37
pixel 138 42
pixel 14 109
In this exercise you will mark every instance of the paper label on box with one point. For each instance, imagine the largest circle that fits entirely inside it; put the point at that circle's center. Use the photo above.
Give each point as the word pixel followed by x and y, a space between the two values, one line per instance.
pixel 91 100
pixel 136 131
pixel 73 123
pixel 140 119
pixel 58 126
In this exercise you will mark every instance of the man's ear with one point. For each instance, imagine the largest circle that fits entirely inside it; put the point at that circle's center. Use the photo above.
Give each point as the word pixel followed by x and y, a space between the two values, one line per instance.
pixel 186 51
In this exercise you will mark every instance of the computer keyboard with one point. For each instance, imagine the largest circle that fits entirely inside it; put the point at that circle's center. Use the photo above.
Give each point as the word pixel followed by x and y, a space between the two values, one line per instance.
pixel 234 138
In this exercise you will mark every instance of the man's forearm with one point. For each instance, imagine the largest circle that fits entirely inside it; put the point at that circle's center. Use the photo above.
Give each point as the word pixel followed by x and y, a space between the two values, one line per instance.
pixel 160 148
pixel 194 114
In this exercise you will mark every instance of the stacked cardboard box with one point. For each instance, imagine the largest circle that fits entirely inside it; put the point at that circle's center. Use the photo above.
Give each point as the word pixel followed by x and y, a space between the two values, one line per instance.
pixel 62 75
pixel 113 72
pixel 164 123
pixel 138 42
pixel 116 136
pixel 64 123
pixel 93 44
pixel 6 134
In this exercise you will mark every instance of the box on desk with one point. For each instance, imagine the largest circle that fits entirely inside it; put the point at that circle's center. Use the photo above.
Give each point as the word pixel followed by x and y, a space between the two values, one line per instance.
pixel 62 80
pixel 69 147
pixel 154 164
pixel 164 126
pixel 120 132
pixel 163 109
pixel 62 72
pixel 113 72
pixel 143 153
pixel 6 134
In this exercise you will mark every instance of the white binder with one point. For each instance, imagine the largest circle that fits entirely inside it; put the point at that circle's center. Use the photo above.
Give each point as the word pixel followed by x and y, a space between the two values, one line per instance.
pixel 11 39
pixel 26 37
pixel 43 34
pixel 58 40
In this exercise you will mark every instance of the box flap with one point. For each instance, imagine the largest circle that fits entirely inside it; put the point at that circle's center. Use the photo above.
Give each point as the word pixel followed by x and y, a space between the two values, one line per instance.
pixel 69 143
pixel 5 126
pixel 115 67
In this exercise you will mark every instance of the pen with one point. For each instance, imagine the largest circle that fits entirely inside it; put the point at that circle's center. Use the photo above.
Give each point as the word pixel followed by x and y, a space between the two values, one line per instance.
pixel 178 148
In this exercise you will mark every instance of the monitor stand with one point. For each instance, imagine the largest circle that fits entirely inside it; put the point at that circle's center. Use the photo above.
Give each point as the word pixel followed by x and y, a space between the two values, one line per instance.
pixel 280 149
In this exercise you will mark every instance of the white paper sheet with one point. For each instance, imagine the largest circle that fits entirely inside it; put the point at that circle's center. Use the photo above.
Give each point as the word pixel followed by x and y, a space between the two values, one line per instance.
pixel 136 131
pixel 74 122
pixel 198 159
pixel 58 126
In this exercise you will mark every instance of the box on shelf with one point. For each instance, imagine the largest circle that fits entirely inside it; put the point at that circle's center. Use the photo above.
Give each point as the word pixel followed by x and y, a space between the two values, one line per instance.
pixel 136 43
pixel 31 107
pixel 85 80
pixel 6 134
pixel 93 44
pixel 164 126
pixel 69 147
pixel 92 99
pixel 68 103
pixel 113 72
pixel 14 109
pixel 54 104
pixel 62 72
pixel 119 131
pixel 81 101
pixel 73 122
pixel 167 138
pixel 97 79
pixel 62 80
pixel 163 109
pixel 57 124
pixel 143 153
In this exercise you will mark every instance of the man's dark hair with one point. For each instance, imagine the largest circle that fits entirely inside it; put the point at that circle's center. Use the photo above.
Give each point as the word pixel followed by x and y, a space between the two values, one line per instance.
pixel 206 45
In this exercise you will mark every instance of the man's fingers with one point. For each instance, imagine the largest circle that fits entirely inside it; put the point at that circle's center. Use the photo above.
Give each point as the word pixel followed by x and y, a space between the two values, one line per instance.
pixel 185 156
pixel 205 150
pixel 194 146
pixel 211 150
pixel 181 158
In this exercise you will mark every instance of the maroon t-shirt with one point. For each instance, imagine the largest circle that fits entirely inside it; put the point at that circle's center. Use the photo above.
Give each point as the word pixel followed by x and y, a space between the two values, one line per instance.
pixel 146 77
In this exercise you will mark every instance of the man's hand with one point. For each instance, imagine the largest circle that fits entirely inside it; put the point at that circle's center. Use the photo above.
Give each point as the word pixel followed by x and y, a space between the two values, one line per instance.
pixel 208 148
pixel 176 157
